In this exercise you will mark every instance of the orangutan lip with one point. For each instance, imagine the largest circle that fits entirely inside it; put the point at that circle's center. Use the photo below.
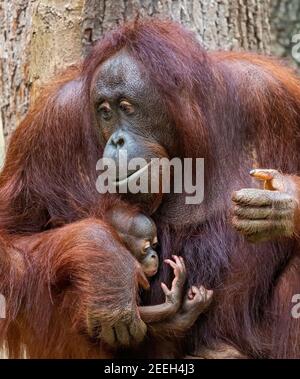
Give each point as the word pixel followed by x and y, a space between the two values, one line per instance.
pixel 132 176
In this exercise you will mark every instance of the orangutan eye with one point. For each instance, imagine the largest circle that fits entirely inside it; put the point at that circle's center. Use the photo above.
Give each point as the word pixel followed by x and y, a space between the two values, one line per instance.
pixel 154 243
pixel 126 107
pixel 105 110
pixel 146 247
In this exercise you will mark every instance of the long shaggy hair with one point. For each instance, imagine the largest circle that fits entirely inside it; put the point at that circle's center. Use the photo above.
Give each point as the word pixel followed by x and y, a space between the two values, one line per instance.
pixel 236 110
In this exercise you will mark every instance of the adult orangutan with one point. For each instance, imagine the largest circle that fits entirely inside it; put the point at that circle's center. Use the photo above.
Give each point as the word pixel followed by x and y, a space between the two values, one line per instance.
pixel 150 88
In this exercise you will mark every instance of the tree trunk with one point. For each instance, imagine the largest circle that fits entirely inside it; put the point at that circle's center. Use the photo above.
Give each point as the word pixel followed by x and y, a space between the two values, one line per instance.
pixel 38 39
pixel 226 24
pixel 285 23
pixel 15 36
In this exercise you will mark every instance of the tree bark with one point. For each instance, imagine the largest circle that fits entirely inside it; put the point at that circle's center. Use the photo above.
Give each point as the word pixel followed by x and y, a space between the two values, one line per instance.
pixel 226 24
pixel 39 38
pixel 15 35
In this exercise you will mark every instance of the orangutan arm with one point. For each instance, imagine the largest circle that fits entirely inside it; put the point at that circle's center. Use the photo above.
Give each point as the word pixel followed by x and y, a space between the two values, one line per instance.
pixel 169 308
pixel 196 301
pixel 66 289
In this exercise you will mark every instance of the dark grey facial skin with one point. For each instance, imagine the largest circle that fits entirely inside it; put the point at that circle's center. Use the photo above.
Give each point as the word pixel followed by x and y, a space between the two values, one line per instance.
pixel 143 230
pixel 139 234
pixel 130 114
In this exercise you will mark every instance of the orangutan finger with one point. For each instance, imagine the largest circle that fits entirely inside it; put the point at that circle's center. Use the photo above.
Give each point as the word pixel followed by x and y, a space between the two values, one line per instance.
pixel 259 197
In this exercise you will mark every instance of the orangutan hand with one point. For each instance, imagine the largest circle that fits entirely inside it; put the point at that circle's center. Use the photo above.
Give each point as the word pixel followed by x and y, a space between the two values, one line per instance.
pixel 269 213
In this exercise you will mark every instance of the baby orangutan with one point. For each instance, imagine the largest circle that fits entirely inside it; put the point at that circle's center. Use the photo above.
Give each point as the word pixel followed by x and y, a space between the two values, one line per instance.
pixel 138 233
pixel 178 313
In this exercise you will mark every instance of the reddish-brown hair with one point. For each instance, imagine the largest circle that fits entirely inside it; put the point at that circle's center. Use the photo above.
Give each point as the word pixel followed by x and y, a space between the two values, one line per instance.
pixel 237 110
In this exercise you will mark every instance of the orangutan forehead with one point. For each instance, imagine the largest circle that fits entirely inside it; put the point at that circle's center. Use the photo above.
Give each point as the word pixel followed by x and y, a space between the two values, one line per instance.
pixel 121 73
pixel 143 227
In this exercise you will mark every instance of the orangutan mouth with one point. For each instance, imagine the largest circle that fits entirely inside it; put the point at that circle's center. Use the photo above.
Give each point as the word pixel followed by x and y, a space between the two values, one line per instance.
pixel 132 176
pixel 151 273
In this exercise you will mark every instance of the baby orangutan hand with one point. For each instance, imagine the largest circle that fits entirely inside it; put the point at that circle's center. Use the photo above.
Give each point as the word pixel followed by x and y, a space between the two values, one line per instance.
pixel 197 300
pixel 174 296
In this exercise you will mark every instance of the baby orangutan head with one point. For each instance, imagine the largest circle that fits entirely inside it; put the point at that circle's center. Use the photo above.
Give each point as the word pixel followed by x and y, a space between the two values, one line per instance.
pixel 139 234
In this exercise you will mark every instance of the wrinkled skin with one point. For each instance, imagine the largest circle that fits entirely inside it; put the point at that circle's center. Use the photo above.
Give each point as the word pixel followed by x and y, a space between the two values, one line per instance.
pixel 269 213
pixel 139 234
pixel 132 118
pixel 129 115
pixel 174 317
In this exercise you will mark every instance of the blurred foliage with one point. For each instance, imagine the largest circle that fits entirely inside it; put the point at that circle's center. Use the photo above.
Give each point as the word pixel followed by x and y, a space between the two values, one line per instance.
pixel 285 23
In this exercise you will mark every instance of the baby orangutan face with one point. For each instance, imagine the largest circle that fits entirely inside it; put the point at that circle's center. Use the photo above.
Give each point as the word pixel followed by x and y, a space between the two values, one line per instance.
pixel 143 241
pixel 139 234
